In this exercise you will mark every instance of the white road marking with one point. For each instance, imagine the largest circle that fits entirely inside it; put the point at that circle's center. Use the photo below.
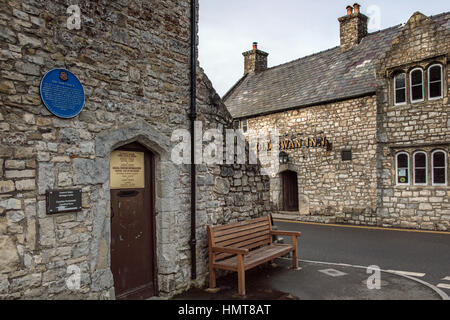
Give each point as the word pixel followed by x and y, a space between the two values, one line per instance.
pixel 441 293
pixel 333 272
pixel 446 279
pixel 443 285
pixel 407 273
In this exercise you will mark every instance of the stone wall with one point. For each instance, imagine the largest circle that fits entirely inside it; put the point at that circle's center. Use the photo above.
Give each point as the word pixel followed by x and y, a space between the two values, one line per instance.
pixel 133 61
pixel 329 189
pixel 422 126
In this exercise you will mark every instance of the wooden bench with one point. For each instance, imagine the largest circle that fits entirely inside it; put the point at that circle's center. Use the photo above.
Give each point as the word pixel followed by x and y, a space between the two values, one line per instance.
pixel 241 246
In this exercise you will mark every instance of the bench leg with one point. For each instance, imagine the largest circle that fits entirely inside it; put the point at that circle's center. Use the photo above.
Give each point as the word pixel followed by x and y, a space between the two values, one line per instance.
pixel 212 278
pixel 295 253
pixel 241 275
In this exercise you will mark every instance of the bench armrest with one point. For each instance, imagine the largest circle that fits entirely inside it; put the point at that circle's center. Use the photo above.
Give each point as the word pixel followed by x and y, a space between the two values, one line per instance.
pixel 285 233
pixel 230 250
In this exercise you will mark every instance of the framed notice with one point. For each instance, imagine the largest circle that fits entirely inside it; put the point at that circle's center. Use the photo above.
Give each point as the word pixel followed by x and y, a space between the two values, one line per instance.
pixel 127 170
pixel 60 201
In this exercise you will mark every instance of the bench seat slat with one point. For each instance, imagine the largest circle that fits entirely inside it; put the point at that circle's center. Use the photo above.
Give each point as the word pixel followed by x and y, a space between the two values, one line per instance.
pixel 237 240
pixel 241 228
pixel 240 234
pixel 236 224
pixel 256 257
pixel 249 244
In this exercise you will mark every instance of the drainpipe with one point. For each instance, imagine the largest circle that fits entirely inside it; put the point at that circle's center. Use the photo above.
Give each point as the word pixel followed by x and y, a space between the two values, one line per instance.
pixel 193 117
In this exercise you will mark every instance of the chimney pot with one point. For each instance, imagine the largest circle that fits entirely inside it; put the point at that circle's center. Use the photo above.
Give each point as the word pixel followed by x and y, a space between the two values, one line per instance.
pixel 255 45
pixel 349 10
pixel 357 7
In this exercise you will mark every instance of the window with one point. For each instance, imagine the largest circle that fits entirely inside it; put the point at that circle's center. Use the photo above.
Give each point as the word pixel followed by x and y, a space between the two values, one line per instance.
pixel 244 125
pixel 346 155
pixel 400 89
pixel 416 79
pixel 420 168
pixel 435 87
pixel 236 124
pixel 439 167
pixel 402 164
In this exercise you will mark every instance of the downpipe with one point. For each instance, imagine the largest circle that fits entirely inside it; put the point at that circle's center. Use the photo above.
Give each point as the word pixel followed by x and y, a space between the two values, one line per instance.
pixel 193 117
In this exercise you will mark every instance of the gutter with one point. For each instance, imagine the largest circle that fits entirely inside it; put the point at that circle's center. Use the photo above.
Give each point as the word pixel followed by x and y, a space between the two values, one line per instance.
pixel 193 117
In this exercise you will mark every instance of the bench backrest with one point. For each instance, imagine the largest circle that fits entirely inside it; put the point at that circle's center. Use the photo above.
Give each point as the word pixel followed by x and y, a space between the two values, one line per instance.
pixel 248 234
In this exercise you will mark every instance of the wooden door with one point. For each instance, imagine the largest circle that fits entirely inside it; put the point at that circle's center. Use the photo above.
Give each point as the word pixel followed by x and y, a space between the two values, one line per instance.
pixel 133 254
pixel 290 191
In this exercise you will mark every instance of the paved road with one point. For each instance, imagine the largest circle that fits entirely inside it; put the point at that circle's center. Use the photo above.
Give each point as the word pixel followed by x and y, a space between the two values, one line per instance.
pixel 425 255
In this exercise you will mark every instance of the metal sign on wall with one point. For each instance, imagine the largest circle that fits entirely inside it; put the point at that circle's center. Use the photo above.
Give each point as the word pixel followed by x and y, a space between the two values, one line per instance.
pixel 62 93
pixel 60 201
pixel 127 170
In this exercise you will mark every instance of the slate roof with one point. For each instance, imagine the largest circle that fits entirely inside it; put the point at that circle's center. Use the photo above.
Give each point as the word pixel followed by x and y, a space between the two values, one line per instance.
pixel 318 78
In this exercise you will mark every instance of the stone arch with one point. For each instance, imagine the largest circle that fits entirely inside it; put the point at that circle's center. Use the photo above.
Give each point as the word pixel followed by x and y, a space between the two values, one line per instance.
pixel 276 190
pixel 96 172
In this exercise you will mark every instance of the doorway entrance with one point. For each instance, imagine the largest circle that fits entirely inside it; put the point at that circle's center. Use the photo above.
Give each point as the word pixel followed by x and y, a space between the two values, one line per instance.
pixel 290 190
pixel 133 254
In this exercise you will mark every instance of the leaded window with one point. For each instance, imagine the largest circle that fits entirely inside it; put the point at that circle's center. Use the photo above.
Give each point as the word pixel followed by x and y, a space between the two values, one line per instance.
pixel 416 80
pixel 435 87
pixel 402 164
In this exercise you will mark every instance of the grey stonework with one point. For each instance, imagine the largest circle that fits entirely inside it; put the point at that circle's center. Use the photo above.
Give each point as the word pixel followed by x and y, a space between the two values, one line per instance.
pixel 326 185
pixel 133 61
pixel 413 127
pixel 363 190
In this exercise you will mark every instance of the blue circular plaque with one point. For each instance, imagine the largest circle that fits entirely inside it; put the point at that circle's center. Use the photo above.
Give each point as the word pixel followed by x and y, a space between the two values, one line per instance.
pixel 62 93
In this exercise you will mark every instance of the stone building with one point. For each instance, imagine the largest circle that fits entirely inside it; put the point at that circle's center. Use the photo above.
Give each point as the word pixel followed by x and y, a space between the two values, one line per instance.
pixel 133 59
pixel 364 127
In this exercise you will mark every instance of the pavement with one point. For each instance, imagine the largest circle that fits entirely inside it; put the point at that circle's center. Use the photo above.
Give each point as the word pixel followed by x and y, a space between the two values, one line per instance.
pixel 317 281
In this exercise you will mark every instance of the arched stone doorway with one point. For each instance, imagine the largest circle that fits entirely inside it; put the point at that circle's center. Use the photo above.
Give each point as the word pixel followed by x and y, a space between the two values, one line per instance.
pixel 133 254
pixel 95 172
pixel 289 191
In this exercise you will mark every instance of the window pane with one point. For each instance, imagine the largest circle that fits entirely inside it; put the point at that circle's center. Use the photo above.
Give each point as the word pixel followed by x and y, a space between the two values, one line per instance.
pixel 244 125
pixel 439 175
pixel 400 96
pixel 439 159
pixel 420 176
pixel 402 161
pixel 435 89
pixel 403 175
pixel 400 81
pixel 416 77
pixel 402 169
pixel 420 160
pixel 417 93
pixel 435 74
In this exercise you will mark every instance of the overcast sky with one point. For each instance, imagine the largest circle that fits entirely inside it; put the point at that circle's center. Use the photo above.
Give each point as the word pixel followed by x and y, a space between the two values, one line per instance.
pixel 286 29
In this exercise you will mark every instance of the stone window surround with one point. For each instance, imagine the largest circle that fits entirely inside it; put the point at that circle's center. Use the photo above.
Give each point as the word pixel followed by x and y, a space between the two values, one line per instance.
pixel 407 168
pixel 432 168
pixel 395 89
pixel 429 151
pixel 411 85
pixel 442 81
pixel 414 168
pixel 424 64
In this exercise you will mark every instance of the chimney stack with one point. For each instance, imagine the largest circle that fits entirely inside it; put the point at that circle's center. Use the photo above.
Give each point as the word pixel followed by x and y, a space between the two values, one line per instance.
pixel 353 27
pixel 255 60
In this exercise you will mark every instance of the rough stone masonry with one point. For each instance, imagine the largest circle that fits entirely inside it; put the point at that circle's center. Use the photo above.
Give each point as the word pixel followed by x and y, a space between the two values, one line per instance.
pixel 132 58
